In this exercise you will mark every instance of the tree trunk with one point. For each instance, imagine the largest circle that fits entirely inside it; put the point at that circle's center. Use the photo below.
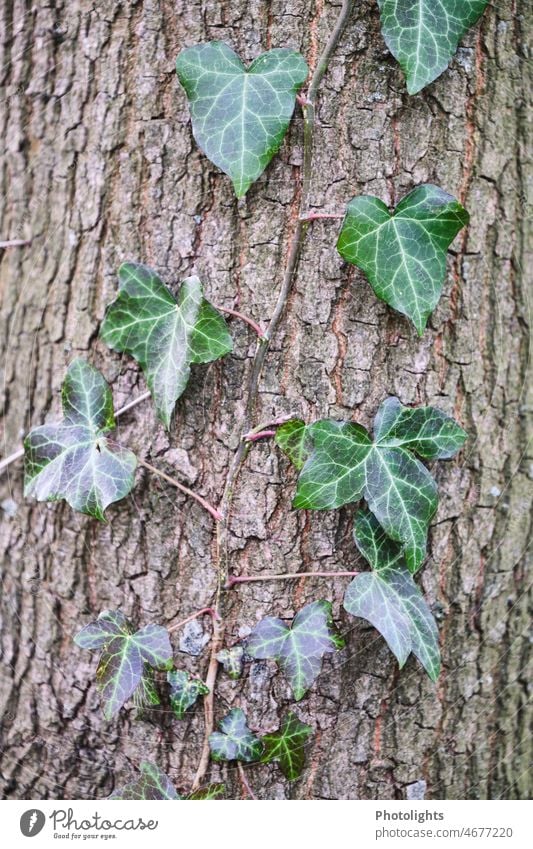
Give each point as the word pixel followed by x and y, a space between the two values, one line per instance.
pixel 99 166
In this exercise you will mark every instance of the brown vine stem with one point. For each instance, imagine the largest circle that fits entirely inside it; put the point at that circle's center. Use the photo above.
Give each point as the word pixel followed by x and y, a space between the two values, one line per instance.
pixel 217 516
pixel 246 318
pixel 293 259
pixel 244 781
pixel 319 216
pixel 15 243
pixel 205 611
pixel 286 576
pixel 20 453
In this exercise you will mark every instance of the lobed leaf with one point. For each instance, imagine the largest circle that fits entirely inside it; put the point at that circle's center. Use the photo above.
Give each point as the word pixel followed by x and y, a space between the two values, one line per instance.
pixel 390 600
pixel 154 785
pixel 73 459
pixel 235 741
pixel 344 465
pixel 291 437
pixel 240 115
pixel 126 654
pixel 423 35
pixel 184 691
pixel 287 746
pixel 299 649
pixel 232 660
pixel 403 254
pixel 166 335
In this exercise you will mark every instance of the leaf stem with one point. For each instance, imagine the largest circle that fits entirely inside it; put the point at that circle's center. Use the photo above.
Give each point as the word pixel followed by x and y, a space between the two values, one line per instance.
pixel 15 243
pixel 286 576
pixel 253 324
pixel 217 516
pixel 261 434
pixel 244 781
pixel 316 216
pixel 205 611
pixel 20 453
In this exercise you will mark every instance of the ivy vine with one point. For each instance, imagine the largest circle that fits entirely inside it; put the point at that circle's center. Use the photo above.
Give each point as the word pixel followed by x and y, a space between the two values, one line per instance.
pixel 240 116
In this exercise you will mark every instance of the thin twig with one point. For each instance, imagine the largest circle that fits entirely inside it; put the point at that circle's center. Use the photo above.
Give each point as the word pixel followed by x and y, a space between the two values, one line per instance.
pixel 245 783
pixel 245 318
pixel 205 504
pixel 20 453
pixel 252 389
pixel 286 576
pixel 267 425
pixel 261 434
pixel 205 611
pixel 316 216
pixel 15 243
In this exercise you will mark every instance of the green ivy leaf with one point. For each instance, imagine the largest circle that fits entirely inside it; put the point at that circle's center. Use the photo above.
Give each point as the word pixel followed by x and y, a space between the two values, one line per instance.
pixel 286 746
pixel 235 741
pixel 240 115
pixel 125 654
pixel 292 438
pixel 73 459
pixel 423 35
pixel 389 598
pixel 232 660
pixel 146 696
pixel 154 785
pixel 403 254
pixel 345 465
pixel 163 333
pixel 300 648
pixel 184 691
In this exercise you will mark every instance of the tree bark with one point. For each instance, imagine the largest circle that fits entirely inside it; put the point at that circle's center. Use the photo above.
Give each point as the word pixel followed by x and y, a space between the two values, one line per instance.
pixel 99 166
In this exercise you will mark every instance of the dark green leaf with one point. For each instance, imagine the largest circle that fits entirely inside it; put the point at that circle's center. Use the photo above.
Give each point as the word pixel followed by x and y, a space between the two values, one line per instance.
pixel 151 785
pixel 300 648
pixel 210 791
pixel 389 598
pixel 423 35
pixel 403 254
pixel 184 691
pixel 344 466
pixel 293 440
pixel 125 654
pixel 240 115
pixel 165 334
pixel 146 696
pixel 286 746
pixel 235 741
pixel 73 459
pixel 232 660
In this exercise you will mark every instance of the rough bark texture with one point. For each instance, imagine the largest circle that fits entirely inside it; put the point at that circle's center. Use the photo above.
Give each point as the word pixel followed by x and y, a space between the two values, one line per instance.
pixel 99 166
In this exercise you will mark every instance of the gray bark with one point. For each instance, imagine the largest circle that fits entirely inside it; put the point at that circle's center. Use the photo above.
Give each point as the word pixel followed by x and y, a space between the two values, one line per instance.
pixel 99 166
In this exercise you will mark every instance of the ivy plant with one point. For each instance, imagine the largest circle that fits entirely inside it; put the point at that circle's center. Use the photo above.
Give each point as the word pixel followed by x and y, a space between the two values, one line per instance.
pixel 154 785
pixel 234 741
pixel 423 35
pixel 74 459
pixel 389 598
pixel 184 691
pixel 298 649
pixel 287 746
pixel 165 334
pixel 403 253
pixel 232 660
pixel 126 655
pixel 343 465
pixel 240 115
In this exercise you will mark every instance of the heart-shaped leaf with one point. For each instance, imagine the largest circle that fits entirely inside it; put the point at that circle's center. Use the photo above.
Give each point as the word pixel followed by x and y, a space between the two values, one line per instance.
pixel 287 746
pixel 165 334
pixel 235 741
pixel 240 115
pixel 154 785
pixel 389 598
pixel 344 465
pixel 73 459
pixel 292 439
pixel 184 691
pixel 232 660
pixel 298 649
pixel 125 654
pixel 423 35
pixel 403 254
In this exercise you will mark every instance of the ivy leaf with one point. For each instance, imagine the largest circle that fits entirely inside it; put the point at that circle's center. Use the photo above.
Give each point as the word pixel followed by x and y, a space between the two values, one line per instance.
pixel 240 115
pixel 232 660
pixel 184 691
pixel 403 254
pixel 151 785
pixel 235 741
pixel 389 598
pixel 292 438
pixel 73 459
pixel 286 746
pixel 344 466
pixel 146 696
pixel 423 35
pixel 300 648
pixel 125 655
pixel 210 791
pixel 163 333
